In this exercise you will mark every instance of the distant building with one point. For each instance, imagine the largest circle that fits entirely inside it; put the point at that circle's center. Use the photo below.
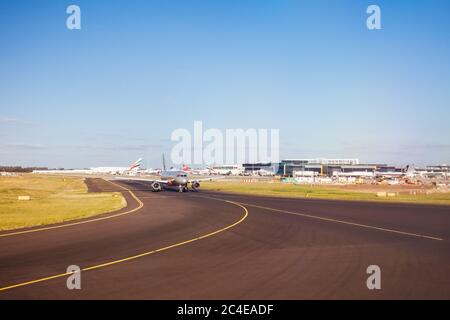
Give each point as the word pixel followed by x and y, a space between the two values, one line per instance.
pixel 320 166
pixel 323 161
pixel 335 168
pixel 268 167
pixel 441 169
pixel 227 169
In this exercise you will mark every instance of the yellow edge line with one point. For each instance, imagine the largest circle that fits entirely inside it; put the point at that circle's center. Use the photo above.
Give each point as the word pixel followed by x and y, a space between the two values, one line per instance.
pixel 85 221
pixel 141 254
pixel 345 222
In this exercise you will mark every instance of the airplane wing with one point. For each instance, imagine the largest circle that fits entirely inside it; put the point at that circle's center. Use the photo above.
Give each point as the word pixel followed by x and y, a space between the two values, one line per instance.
pixel 206 179
pixel 165 181
pixel 141 179
pixel 155 184
pixel 158 185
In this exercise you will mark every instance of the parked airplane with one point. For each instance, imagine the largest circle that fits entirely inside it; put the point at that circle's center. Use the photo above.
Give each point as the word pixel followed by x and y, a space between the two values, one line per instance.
pixel 133 168
pixel 150 171
pixel 408 172
pixel 203 172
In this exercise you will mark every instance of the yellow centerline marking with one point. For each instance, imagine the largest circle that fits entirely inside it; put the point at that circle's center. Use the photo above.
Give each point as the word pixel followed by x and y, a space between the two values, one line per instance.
pixel 85 221
pixel 141 254
pixel 344 222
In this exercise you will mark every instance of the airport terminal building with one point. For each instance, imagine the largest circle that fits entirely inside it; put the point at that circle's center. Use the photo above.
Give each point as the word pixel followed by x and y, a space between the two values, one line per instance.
pixel 323 167
pixel 319 166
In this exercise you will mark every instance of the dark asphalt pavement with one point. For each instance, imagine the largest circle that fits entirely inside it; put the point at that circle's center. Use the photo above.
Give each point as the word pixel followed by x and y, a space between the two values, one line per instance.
pixel 283 249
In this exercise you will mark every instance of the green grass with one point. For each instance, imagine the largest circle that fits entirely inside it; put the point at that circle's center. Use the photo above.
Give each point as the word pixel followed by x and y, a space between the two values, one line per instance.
pixel 320 192
pixel 54 199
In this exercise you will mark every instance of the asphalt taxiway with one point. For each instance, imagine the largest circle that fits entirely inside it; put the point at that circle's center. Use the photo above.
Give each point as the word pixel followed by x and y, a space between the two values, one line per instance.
pixel 207 245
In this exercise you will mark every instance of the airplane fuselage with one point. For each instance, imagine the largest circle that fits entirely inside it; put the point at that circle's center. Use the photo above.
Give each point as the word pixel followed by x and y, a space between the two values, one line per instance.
pixel 175 178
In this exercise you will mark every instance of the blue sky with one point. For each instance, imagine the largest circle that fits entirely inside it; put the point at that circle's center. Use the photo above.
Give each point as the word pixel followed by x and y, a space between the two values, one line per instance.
pixel 116 89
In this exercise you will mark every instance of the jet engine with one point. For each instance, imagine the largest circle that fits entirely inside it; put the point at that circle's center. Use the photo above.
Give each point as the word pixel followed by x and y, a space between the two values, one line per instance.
pixel 156 186
pixel 195 185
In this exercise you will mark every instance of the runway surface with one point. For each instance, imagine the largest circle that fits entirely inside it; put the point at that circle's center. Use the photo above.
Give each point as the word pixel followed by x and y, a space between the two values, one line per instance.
pixel 249 248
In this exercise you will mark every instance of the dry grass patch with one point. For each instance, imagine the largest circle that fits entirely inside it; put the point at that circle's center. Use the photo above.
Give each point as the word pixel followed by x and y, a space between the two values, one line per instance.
pixel 53 199
pixel 320 192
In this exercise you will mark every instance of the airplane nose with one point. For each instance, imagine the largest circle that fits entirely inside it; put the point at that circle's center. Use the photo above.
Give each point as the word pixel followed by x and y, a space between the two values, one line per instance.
pixel 181 181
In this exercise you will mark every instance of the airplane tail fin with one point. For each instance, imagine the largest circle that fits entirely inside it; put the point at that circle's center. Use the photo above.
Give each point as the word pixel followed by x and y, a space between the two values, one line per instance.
pixel 164 162
pixel 186 168
pixel 410 170
pixel 135 165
